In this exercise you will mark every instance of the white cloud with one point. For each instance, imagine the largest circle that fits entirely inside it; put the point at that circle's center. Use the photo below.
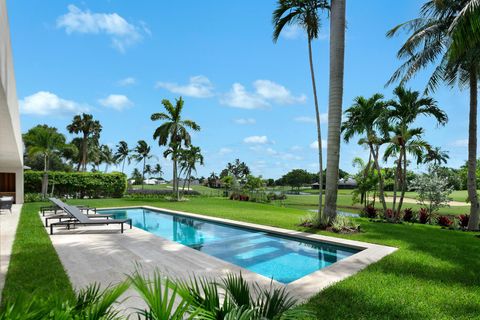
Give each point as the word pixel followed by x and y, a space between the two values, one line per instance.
pixel 460 143
pixel 122 33
pixel 314 144
pixel 275 92
pixel 292 32
pixel 256 140
pixel 243 121
pixel 296 148
pixel 116 101
pixel 45 103
pixel 306 119
pixel 198 87
pixel 266 92
pixel 127 82
pixel 239 97
pixel 224 151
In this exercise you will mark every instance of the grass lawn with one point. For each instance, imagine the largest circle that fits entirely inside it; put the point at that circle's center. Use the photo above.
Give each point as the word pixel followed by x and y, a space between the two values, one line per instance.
pixel 344 202
pixel 34 265
pixel 435 274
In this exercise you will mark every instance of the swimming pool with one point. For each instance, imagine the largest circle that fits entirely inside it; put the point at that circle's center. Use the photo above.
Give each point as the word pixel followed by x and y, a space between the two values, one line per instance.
pixel 284 259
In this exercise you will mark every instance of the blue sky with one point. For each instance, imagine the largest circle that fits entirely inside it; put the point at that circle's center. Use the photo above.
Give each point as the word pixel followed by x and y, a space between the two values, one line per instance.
pixel 252 98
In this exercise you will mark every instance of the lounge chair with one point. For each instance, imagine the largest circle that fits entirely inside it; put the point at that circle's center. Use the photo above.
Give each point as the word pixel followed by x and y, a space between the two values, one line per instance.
pixel 56 208
pixel 82 219
pixel 6 203
pixel 67 216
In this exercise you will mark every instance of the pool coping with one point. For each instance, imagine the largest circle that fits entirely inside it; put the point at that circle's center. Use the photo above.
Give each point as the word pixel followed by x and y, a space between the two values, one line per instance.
pixel 311 284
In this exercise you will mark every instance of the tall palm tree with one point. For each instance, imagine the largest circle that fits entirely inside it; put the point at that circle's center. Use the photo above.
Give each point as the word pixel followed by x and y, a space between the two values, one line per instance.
pixel 187 161
pixel 337 59
pixel 142 154
pixel 173 132
pixel 107 157
pixel 365 117
pixel 46 141
pixel 445 35
pixel 437 156
pixel 122 154
pixel 305 13
pixel 404 141
pixel 88 127
pixel 402 112
pixel 157 170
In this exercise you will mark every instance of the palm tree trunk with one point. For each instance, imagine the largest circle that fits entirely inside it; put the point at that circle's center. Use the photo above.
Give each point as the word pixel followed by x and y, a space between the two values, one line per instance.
pixel 404 184
pixel 472 154
pixel 84 152
pixel 337 57
pixel 319 134
pixel 380 178
pixel 175 179
pixel 143 174
pixel 397 182
pixel 45 177
pixel 123 164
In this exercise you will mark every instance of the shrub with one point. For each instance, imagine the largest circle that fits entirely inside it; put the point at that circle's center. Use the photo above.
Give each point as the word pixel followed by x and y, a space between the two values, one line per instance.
pixel 274 196
pixel 423 216
pixel 239 197
pixel 408 215
pixel 463 219
pixel 32 197
pixel 369 212
pixel 444 221
pixel 344 224
pixel 389 214
pixel 78 184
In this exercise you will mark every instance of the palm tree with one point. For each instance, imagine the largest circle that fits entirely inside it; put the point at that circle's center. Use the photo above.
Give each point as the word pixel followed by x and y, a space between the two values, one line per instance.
pixel 437 156
pixel 142 154
pixel 402 112
pixel 305 14
pixel 157 170
pixel 173 132
pixel 107 157
pixel 337 57
pixel 404 141
pixel 187 161
pixel 148 170
pixel 122 154
pixel 46 141
pixel 365 117
pixel 446 33
pixel 89 128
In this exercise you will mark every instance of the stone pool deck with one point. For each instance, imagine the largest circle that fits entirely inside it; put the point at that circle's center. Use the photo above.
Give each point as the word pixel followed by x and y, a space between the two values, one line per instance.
pixel 102 254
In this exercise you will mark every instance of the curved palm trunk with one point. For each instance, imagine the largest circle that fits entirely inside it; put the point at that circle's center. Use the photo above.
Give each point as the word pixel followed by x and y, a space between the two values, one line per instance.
pixel 380 178
pixel 337 57
pixel 397 182
pixel 472 154
pixel 319 135
pixel 175 180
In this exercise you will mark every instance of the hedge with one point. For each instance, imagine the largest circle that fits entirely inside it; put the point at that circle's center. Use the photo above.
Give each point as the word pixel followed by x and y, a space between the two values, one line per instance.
pixel 78 184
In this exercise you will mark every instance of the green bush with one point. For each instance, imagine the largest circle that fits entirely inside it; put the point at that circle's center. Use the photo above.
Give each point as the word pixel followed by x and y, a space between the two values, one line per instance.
pixel 78 184
pixel 32 197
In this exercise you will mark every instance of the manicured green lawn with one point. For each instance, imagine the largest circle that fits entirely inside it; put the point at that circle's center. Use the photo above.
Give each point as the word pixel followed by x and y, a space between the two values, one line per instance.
pixel 344 202
pixel 34 265
pixel 435 274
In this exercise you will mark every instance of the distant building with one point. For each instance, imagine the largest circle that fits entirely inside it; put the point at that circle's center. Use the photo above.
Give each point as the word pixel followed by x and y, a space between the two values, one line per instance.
pixel 348 183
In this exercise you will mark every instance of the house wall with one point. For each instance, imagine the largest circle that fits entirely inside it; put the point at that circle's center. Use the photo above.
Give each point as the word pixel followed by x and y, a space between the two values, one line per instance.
pixel 11 145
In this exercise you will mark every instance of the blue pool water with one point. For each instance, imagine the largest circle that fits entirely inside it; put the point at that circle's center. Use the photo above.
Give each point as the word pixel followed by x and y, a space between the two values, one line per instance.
pixel 284 259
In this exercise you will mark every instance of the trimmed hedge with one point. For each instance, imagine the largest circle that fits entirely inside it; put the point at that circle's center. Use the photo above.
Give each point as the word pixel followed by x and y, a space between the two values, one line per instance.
pixel 78 184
